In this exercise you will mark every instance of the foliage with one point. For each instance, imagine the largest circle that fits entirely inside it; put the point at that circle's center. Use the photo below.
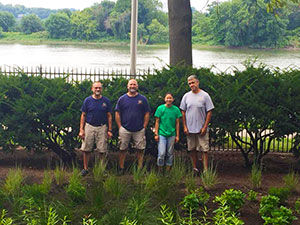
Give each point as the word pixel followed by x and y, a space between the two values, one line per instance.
pixel 13 182
pixel 58 25
pixel 234 199
pixel 59 175
pixel 291 180
pixel 167 215
pixel 5 220
pixel 224 215
pixel 282 193
pixel 7 21
pixel 75 189
pixel 113 186
pixel 297 205
pixel 31 24
pixel 99 170
pixel 252 196
pixel 209 177
pixel 274 214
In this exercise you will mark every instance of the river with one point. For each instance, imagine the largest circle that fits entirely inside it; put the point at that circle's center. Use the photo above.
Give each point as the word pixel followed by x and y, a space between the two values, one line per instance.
pixel 72 56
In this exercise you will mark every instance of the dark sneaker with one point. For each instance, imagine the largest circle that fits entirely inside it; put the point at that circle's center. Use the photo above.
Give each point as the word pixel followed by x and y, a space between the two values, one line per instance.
pixel 121 171
pixel 84 172
pixel 196 172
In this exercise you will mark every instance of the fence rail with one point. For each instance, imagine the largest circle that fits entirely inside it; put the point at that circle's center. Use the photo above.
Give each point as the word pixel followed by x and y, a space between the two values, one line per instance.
pixel 75 74
pixel 282 145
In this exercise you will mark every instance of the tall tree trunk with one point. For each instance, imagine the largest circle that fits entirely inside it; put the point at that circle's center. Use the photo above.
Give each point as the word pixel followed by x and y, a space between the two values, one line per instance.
pixel 180 32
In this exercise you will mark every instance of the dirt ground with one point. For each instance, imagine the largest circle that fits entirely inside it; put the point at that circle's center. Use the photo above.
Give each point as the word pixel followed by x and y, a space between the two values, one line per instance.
pixel 230 167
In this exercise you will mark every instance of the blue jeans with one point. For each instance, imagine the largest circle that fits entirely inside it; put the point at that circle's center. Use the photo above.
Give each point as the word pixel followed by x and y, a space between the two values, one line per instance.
pixel 165 150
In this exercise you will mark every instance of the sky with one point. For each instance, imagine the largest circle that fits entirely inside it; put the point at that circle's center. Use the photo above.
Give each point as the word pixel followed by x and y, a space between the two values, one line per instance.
pixel 81 4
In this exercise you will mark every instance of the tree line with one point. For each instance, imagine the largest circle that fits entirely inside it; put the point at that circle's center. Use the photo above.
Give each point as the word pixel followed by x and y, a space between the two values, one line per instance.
pixel 234 23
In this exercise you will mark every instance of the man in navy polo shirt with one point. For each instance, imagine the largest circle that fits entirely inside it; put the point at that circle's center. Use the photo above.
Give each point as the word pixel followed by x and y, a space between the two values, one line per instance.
pixel 132 117
pixel 95 118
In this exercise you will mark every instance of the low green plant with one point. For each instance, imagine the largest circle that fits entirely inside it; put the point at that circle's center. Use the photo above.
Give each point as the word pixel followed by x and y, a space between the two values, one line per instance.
pixel 291 180
pixel 190 201
pixel 127 221
pixel 282 193
pixel 190 182
pixel 252 196
pixel 75 189
pixel 297 205
pixel 99 170
pixel 209 177
pixel 191 219
pixel 202 196
pixel 47 181
pixel 280 216
pixel 113 186
pixel 5 220
pixel 13 182
pixel 167 216
pixel 178 170
pixel 59 175
pixel 234 199
pixel 89 221
pixel 225 216
pixel 138 174
pixel 267 204
pixel 136 209
pixel 152 182
pixel 255 176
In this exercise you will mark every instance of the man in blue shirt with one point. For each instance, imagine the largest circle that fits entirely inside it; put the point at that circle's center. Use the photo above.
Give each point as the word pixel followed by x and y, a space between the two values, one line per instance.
pixel 132 117
pixel 95 118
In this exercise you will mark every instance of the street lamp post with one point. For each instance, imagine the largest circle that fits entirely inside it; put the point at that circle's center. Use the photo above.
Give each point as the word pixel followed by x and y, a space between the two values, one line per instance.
pixel 133 36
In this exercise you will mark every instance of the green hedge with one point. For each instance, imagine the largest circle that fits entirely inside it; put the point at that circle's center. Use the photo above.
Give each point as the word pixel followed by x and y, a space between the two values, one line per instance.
pixel 42 113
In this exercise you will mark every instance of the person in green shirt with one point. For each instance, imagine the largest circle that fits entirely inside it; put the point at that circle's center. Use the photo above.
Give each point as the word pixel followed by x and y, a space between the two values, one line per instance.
pixel 166 131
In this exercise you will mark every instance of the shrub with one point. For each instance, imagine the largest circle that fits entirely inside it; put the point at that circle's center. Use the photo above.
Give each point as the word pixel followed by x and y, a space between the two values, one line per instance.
pixel 291 181
pixel 282 193
pixel 252 196
pixel 234 199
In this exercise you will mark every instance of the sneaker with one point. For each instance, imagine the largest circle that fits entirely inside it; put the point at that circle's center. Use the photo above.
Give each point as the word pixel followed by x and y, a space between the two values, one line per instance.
pixel 84 172
pixel 195 172
pixel 121 171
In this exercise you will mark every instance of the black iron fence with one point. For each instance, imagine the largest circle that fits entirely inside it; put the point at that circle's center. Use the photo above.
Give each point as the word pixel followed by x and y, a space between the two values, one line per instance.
pixel 283 145
pixel 74 74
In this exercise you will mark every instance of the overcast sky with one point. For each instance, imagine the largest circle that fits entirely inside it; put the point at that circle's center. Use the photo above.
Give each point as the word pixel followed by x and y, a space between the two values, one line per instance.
pixel 81 4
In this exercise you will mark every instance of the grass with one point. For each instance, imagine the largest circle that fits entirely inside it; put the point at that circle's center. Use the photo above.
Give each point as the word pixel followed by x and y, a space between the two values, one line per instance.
pixel 138 197
pixel 209 177
pixel 255 176
pixel 291 180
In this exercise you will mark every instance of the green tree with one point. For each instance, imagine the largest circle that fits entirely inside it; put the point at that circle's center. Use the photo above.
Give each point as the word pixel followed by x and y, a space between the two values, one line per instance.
pixel 158 33
pixel 101 13
pixel 83 26
pixel 58 25
pixel 7 21
pixel 31 24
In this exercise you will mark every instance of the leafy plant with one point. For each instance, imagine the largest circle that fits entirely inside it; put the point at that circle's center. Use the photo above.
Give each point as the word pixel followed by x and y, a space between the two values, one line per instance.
pixel 127 221
pixel 297 205
pixel 138 174
pixel 151 182
pixel 224 215
pixel 13 182
pixel 252 196
pixel 190 182
pixel 5 220
pixel 280 216
pixel 202 196
pixel 190 201
pixel 168 217
pixel 282 193
pixel 291 180
pixel 234 199
pixel 137 208
pixel 75 189
pixel 89 221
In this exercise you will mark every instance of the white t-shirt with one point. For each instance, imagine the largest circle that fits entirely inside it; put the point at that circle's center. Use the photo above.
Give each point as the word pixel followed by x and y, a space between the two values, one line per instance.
pixel 196 107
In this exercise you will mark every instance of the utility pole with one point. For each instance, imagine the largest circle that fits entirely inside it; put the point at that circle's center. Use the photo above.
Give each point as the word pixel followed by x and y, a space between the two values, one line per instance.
pixel 133 36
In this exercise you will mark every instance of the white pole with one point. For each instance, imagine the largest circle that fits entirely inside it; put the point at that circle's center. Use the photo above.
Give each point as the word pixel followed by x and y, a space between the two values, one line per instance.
pixel 133 36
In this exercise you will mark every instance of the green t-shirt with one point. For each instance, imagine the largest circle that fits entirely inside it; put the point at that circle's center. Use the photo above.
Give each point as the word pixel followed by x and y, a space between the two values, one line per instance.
pixel 167 119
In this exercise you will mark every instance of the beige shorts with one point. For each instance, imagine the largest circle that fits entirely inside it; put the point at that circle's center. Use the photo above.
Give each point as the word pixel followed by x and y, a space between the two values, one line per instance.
pixel 139 139
pixel 198 142
pixel 95 135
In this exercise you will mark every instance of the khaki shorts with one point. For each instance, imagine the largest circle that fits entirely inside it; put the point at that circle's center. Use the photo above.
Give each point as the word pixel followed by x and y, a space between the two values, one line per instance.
pixel 139 139
pixel 95 135
pixel 198 142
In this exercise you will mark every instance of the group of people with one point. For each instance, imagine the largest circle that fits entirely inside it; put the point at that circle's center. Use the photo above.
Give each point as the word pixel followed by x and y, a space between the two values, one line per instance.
pixel 132 114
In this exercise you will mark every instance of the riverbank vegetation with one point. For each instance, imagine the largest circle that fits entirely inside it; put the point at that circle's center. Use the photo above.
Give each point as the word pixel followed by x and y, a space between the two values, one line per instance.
pixel 232 24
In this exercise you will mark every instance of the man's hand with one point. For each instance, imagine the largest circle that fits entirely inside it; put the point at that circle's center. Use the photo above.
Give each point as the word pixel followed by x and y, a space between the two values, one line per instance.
pixel 156 138
pixel 176 139
pixel 185 130
pixel 81 134
pixel 203 131
pixel 109 134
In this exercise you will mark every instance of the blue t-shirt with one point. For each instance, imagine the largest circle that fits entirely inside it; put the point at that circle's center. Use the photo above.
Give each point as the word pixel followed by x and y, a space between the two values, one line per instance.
pixel 132 111
pixel 96 110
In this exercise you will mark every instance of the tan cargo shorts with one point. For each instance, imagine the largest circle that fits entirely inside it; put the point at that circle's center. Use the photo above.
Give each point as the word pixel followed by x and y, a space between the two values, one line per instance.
pixel 139 139
pixel 95 135
pixel 198 142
